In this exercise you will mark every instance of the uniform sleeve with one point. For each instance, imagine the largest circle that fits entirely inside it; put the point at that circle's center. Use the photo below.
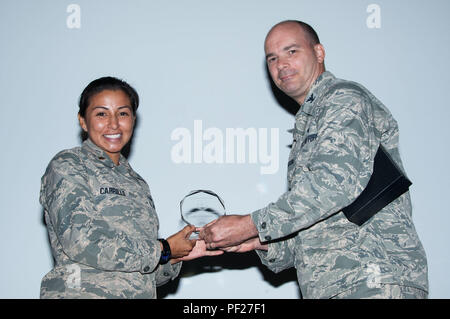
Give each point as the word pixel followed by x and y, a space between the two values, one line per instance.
pixel 279 256
pixel 339 168
pixel 167 272
pixel 84 235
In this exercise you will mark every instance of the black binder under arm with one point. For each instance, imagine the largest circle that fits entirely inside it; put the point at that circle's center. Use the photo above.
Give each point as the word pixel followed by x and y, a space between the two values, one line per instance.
pixel 386 184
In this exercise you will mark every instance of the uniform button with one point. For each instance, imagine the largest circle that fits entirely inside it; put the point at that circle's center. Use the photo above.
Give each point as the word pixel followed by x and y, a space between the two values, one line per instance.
pixel 272 260
pixel 263 225
pixel 146 268
pixel 268 238
pixel 305 168
pixel 166 274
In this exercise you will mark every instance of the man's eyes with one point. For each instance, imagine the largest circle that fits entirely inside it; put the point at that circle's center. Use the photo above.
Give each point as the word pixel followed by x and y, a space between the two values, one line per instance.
pixel 274 58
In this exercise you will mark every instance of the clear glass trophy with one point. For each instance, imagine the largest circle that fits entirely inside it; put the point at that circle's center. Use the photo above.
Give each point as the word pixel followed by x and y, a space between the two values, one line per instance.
pixel 201 207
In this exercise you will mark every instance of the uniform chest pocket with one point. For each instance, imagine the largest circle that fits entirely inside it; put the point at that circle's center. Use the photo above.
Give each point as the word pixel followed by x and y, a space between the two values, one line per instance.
pixel 129 212
pixel 308 143
pixel 113 201
pixel 305 138
pixel 120 198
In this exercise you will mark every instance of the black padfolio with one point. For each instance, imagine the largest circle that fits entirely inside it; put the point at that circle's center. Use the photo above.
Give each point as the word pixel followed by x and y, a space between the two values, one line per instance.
pixel 386 184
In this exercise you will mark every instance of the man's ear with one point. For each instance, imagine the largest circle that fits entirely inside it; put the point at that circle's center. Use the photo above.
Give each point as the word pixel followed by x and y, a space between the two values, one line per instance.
pixel 320 52
pixel 82 122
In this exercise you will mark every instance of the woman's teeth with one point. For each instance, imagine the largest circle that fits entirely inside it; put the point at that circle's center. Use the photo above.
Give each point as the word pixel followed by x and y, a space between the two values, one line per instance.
pixel 112 135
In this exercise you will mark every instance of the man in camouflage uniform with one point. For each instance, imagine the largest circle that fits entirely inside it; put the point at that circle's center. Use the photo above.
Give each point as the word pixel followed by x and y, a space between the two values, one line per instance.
pixel 103 228
pixel 338 130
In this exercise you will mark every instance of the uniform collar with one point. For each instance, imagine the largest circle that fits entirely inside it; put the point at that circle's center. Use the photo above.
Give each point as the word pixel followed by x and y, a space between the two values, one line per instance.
pixel 315 90
pixel 101 156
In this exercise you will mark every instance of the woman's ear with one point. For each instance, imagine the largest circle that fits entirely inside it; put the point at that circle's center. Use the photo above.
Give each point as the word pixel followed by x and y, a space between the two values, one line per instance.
pixel 82 122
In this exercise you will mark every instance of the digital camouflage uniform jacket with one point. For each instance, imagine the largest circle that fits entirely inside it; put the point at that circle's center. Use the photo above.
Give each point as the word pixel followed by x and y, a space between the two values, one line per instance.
pixel 103 228
pixel 337 133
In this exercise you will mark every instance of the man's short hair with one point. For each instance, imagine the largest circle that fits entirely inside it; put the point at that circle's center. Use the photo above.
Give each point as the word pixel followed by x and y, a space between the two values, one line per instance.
pixel 310 32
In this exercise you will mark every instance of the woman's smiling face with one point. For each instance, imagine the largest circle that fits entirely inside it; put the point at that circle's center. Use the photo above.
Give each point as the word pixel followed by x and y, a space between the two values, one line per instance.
pixel 109 121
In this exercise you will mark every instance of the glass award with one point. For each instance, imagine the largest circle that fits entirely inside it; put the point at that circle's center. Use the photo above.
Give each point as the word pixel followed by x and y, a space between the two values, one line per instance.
pixel 201 207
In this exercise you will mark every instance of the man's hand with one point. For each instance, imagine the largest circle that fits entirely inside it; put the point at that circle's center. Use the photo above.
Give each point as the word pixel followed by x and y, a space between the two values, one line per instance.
pixel 198 251
pixel 248 245
pixel 227 231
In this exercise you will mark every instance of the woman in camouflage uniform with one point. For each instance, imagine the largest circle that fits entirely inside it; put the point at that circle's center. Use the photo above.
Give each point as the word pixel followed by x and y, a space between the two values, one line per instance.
pixel 99 212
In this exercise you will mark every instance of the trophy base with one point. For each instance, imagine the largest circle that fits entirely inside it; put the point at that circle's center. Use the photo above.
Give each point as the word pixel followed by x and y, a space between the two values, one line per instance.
pixel 194 235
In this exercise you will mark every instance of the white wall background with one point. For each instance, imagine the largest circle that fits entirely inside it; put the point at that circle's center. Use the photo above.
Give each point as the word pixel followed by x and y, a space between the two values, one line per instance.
pixel 204 60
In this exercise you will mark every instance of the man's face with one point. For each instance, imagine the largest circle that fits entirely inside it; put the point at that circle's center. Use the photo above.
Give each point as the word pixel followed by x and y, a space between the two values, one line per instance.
pixel 293 62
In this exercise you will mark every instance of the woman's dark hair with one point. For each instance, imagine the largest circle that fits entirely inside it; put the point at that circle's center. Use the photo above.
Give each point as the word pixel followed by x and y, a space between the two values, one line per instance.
pixel 107 83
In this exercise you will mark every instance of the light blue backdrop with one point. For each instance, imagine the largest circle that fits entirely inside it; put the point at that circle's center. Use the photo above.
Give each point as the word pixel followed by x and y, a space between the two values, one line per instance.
pixel 202 62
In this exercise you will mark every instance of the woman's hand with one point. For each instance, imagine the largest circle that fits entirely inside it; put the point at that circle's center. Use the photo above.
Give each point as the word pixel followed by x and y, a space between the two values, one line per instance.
pixel 180 244
pixel 198 251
